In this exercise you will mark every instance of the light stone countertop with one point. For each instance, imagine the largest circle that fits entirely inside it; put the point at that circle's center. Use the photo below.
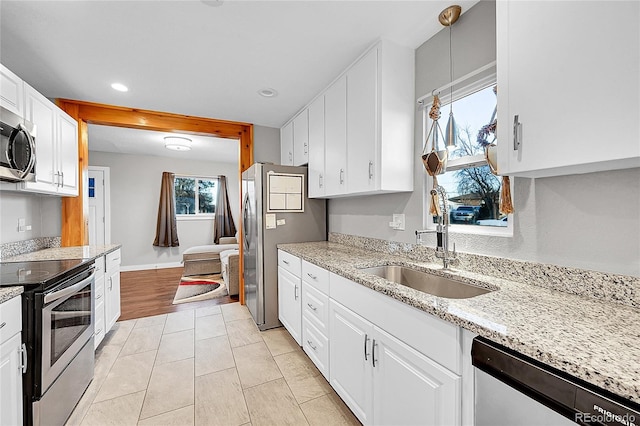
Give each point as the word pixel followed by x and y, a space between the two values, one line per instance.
pixel 594 340
pixel 7 293
pixel 60 253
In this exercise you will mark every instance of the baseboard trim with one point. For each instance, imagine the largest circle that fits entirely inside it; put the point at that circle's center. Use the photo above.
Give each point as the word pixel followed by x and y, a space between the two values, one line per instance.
pixel 150 266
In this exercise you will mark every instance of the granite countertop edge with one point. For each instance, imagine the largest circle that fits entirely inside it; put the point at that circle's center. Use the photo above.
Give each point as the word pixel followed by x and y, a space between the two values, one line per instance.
pixel 8 293
pixel 87 253
pixel 571 340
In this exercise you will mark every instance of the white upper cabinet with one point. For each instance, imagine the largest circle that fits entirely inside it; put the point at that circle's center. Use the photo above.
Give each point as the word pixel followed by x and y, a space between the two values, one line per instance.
pixel 56 140
pixel 368 127
pixel 362 82
pixel 301 138
pixel 335 138
pixel 316 148
pixel 286 145
pixel 11 91
pixel 569 90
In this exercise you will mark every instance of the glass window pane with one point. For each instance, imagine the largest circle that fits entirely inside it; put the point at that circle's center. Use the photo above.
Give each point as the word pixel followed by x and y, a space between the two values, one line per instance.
pixel 207 192
pixel 473 197
pixel 185 195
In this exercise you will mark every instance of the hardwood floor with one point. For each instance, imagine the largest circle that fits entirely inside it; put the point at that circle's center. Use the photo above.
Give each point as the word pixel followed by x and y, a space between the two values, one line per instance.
pixel 150 292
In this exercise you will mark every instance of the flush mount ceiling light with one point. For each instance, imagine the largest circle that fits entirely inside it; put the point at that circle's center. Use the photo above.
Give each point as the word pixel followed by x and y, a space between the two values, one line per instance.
pixel 268 93
pixel 119 87
pixel 213 3
pixel 177 143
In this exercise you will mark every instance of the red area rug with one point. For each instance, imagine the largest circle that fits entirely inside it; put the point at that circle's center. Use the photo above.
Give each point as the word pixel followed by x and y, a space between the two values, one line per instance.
pixel 194 288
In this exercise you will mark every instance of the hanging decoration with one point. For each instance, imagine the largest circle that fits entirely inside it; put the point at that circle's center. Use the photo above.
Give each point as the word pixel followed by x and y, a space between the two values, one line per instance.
pixel 491 155
pixel 434 160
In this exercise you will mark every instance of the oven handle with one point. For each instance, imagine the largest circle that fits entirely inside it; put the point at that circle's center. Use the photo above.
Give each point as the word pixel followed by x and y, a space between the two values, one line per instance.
pixel 48 298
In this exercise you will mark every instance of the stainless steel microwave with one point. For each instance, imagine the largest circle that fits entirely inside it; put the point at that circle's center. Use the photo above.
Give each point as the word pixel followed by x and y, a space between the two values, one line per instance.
pixel 17 148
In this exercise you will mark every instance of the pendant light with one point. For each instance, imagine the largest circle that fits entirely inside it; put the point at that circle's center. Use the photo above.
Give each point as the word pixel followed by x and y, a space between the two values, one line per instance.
pixel 448 17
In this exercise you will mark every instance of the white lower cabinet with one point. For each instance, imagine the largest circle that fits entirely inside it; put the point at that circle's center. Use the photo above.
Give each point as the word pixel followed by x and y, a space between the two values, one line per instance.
pixel 289 312
pixel 11 362
pixel 112 289
pixel 99 329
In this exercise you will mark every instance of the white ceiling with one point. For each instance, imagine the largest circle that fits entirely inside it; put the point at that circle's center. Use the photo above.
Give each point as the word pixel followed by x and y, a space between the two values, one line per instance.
pixel 147 142
pixel 189 58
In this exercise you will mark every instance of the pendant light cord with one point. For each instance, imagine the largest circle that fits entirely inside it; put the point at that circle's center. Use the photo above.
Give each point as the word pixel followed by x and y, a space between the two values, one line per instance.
pixel 450 72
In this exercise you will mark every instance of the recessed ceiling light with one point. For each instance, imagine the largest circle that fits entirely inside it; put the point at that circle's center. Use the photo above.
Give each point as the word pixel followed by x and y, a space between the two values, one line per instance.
pixel 268 93
pixel 177 143
pixel 213 3
pixel 119 87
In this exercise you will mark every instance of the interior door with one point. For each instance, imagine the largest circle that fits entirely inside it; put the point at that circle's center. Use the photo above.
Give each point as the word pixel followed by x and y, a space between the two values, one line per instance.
pixel 97 208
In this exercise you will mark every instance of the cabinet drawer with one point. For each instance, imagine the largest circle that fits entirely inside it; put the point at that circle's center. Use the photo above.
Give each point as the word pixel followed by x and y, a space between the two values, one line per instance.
pixel 289 262
pixel 10 318
pixel 315 307
pixel 99 329
pixel 316 345
pixel 113 261
pixel 315 276
pixel 100 266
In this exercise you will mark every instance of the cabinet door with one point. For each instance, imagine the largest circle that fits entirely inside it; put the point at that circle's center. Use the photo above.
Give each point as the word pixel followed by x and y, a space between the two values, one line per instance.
pixel 350 360
pixel 335 125
pixel 301 138
pixel 11 382
pixel 286 145
pixel 362 113
pixel 316 148
pixel 112 302
pixel 289 308
pixel 68 154
pixel 11 92
pixel 411 389
pixel 42 112
pixel 578 109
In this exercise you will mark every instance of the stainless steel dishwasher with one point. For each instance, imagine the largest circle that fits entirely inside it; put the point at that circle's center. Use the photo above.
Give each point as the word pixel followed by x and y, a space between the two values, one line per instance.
pixel 513 389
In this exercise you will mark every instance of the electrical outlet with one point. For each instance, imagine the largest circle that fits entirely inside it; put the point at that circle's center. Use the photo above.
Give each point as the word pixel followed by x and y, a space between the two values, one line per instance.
pixel 21 225
pixel 398 222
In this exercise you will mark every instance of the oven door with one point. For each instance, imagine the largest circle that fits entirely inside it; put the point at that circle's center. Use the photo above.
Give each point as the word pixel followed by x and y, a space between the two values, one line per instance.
pixel 67 325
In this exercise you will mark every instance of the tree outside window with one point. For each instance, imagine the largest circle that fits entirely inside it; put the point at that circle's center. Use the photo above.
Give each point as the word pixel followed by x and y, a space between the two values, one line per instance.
pixel 195 196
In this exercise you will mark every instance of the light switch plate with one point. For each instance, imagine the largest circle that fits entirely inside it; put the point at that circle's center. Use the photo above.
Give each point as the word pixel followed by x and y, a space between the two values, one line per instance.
pixel 398 222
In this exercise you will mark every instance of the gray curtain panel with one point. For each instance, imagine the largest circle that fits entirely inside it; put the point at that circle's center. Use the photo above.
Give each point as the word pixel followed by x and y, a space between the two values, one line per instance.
pixel 167 229
pixel 224 226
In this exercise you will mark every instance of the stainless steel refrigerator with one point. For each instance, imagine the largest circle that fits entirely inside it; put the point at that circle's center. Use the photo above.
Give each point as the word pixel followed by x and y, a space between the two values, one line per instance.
pixel 275 210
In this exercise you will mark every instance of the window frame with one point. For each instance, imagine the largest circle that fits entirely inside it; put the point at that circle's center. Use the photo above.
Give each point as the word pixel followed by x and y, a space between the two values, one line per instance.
pixel 196 215
pixel 460 163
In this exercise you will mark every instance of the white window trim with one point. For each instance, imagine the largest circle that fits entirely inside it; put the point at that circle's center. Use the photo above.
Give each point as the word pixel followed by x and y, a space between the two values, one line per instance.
pixel 460 163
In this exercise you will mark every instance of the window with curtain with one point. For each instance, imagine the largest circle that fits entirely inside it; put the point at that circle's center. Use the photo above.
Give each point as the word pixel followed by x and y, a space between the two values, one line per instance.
pixel 473 191
pixel 196 197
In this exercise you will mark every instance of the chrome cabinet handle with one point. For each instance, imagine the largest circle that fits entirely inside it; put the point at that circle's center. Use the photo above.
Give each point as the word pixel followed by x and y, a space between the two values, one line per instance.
pixel 24 358
pixel 98 297
pixel 320 179
pixel 366 339
pixel 295 292
pixel 370 170
pixel 286 262
pixel 310 343
pixel 313 308
pixel 517 133
pixel 313 277
pixel 98 331
pixel 306 148
pixel 290 156
pixel 110 283
pixel 3 324
pixel 373 354
pixel 341 176
pixel 61 178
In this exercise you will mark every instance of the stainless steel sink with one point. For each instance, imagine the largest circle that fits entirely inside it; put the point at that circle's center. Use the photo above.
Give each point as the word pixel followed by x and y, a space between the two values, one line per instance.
pixel 427 283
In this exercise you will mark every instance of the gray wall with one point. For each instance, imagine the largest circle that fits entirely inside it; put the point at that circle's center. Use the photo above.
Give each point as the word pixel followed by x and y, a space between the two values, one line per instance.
pixel 40 211
pixel 266 144
pixel 135 189
pixel 588 221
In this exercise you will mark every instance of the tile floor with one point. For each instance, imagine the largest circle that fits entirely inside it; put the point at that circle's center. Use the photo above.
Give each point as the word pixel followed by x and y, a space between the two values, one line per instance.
pixel 209 366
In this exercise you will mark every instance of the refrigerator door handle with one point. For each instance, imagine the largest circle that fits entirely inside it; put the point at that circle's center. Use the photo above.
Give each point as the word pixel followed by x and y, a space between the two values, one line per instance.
pixel 245 221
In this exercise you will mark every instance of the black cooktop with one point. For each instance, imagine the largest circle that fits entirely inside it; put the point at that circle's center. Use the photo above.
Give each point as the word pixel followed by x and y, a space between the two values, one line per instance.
pixel 38 273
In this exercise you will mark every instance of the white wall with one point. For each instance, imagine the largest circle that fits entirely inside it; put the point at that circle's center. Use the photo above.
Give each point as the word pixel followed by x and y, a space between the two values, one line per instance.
pixel 42 213
pixel 135 190
pixel 266 144
pixel 589 221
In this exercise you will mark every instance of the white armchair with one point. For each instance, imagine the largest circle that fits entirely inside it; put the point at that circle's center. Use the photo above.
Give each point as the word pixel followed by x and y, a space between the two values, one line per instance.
pixel 201 260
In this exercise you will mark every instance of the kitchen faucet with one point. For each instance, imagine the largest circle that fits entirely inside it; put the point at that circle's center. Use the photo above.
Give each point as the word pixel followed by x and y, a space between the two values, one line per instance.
pixel 442 232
